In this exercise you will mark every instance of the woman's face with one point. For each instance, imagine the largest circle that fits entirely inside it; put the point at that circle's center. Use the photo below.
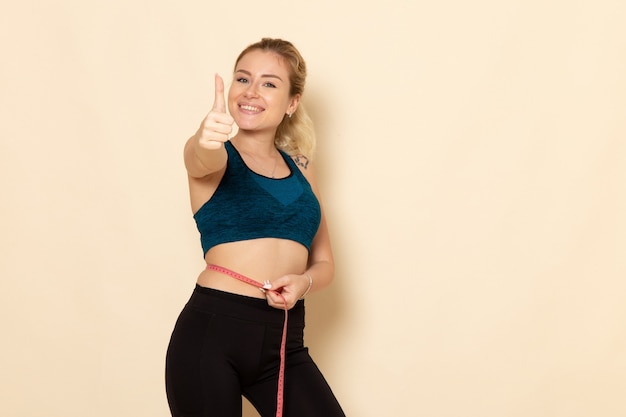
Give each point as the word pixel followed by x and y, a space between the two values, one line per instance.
pixel 259 98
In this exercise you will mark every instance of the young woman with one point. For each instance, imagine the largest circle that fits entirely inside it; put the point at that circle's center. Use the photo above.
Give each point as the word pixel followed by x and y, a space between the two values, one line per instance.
pixel 266 244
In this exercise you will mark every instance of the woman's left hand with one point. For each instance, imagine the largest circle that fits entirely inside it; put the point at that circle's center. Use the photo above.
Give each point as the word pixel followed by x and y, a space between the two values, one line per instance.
pixel 291 287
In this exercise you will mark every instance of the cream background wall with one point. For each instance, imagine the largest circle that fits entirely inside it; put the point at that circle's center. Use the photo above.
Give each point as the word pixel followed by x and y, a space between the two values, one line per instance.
pixel 472 157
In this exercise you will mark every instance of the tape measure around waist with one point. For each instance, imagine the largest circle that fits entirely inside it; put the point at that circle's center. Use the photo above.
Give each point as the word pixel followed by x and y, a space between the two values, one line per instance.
pixel 283 343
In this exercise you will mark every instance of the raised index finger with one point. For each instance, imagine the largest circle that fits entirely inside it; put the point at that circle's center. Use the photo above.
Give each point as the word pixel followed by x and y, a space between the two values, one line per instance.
pixel 220 103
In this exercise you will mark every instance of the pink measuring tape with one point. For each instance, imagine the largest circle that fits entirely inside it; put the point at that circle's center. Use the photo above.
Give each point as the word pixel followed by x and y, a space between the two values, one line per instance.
pixel 266 286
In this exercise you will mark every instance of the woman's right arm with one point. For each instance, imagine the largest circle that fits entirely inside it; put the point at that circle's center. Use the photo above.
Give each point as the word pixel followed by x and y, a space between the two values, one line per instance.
pixel 204 152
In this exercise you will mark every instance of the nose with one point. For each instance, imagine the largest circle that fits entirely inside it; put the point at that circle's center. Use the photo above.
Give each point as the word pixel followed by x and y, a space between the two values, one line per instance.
pixel 251 91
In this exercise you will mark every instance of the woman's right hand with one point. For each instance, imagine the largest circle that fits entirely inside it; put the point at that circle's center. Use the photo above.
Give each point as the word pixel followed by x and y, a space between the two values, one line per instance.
pixel 218 124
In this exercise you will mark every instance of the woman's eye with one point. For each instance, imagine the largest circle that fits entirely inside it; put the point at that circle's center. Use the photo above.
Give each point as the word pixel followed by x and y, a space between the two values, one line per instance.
pixel 242 80
pixel 270 85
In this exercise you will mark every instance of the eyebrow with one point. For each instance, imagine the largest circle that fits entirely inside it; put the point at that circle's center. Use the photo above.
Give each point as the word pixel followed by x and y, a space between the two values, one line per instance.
pixel 262 75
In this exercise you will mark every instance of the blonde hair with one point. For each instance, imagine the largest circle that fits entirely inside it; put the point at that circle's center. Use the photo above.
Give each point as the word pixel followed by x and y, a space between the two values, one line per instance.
pixel 295 135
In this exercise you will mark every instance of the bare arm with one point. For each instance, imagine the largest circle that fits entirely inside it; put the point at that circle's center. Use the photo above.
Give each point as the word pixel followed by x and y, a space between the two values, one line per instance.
pixel 321 265
pixel 201 161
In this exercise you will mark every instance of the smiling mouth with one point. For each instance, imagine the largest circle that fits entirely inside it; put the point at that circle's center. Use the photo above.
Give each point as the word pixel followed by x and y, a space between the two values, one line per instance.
pixel 248 107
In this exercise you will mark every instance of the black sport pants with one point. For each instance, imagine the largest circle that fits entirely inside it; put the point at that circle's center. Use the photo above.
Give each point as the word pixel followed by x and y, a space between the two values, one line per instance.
pixel 227 345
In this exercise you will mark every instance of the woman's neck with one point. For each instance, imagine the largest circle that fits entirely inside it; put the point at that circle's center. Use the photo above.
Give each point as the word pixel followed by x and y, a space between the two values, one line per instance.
pixel 257 144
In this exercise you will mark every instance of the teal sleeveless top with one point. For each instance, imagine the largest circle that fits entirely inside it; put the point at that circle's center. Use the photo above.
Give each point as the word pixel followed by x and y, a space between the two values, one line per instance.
pixel 247 205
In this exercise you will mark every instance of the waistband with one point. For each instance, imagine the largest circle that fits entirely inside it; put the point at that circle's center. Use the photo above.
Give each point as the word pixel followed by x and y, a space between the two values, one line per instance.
pixel 242 307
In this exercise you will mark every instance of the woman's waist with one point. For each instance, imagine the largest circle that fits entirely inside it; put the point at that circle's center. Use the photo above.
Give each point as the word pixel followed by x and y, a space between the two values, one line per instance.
pixel 259 269
pixel 223 282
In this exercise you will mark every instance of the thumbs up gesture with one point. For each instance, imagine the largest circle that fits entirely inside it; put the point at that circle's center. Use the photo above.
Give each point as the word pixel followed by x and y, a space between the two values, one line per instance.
pixel 217 125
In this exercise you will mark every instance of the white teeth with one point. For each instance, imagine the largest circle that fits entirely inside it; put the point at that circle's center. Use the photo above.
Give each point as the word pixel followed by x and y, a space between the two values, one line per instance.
pixel 250 108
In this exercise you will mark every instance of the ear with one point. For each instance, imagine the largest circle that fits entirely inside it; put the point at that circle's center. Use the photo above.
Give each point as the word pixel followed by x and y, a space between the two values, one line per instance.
pixel 293 105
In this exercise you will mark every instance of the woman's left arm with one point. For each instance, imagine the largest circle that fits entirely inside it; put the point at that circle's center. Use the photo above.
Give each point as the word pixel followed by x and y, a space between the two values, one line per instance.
pixel 321 266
